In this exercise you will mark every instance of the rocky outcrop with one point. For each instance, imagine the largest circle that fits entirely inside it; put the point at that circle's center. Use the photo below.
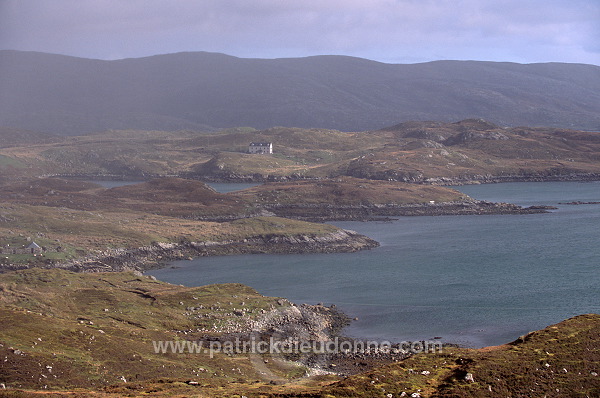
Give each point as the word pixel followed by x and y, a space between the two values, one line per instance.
pixel 287 321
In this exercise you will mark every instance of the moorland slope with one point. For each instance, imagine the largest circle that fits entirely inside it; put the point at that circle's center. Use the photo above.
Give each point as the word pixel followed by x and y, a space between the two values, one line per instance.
pixel 472 150
pixel 82 334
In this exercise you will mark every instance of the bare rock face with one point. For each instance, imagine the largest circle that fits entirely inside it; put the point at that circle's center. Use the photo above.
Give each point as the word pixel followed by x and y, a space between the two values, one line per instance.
pixel 302 323
pixel 422 144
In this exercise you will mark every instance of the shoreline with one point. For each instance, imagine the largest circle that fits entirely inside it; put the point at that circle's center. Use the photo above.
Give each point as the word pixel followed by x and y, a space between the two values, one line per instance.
pixel 323 213
pixel 158 254
pixel 259 178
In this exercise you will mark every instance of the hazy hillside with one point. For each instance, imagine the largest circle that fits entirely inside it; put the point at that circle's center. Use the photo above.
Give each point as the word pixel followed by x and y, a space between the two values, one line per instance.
pixel 68 95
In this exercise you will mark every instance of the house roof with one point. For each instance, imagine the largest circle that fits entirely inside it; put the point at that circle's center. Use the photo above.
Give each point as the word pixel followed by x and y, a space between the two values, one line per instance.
pixel 261 143
pixel 34 245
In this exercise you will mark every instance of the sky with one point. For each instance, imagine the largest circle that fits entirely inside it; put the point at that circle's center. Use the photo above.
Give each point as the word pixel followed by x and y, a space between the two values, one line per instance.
pixel 391 31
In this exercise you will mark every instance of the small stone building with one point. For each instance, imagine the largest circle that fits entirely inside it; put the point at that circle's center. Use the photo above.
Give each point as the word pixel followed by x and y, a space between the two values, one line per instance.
pixel 34 248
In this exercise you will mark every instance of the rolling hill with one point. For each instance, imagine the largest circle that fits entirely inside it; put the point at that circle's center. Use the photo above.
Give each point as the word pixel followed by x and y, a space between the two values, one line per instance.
pixel 201 91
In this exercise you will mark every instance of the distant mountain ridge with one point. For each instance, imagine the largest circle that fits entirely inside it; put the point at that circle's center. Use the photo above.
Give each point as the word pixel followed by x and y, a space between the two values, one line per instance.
pixel 199 91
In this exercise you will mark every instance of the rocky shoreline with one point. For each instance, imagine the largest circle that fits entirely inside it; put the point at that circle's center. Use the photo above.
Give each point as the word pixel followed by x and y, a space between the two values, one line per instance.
pixel 491 179
pixel 318 326
pixel 260 178
pixel 158 253
pixel 462 180
pixel 328 212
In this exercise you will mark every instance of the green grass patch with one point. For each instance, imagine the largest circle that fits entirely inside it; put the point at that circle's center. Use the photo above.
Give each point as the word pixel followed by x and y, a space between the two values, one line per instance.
pixel 6 161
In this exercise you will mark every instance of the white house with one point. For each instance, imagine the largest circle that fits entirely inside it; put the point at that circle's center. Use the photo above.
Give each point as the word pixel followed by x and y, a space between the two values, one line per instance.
pixel 260 147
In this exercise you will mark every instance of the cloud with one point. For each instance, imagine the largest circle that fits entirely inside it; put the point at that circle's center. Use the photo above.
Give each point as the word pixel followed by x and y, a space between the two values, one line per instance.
pixel 387 30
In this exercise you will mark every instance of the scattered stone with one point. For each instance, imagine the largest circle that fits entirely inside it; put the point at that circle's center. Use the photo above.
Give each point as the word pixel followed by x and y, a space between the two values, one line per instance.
pixel 193 383
pixel 425 372
pixel 469 378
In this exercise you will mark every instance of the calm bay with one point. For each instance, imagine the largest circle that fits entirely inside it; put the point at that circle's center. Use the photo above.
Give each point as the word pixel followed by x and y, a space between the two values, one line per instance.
pixel 472 280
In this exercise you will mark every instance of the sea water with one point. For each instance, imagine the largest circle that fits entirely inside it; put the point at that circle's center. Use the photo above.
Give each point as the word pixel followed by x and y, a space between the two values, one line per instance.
pixel 471 280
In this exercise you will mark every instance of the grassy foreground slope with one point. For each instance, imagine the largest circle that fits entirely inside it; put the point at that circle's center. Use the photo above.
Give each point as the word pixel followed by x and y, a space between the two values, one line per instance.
pixel 562 360
pixel 91 334
pixel 64 330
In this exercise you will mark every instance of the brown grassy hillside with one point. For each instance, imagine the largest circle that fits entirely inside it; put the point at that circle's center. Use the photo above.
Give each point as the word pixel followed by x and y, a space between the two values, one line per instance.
pixel 344 191
pixel 414 152
pixel 559 361
pixel 75 330
pixel 76 334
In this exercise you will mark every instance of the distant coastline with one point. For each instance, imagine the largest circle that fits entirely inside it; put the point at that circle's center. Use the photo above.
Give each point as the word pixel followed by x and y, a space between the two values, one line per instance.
pixel 258 178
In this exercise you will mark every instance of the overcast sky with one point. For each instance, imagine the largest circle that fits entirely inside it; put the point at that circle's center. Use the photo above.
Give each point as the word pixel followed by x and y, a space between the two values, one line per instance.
pixel 394 31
